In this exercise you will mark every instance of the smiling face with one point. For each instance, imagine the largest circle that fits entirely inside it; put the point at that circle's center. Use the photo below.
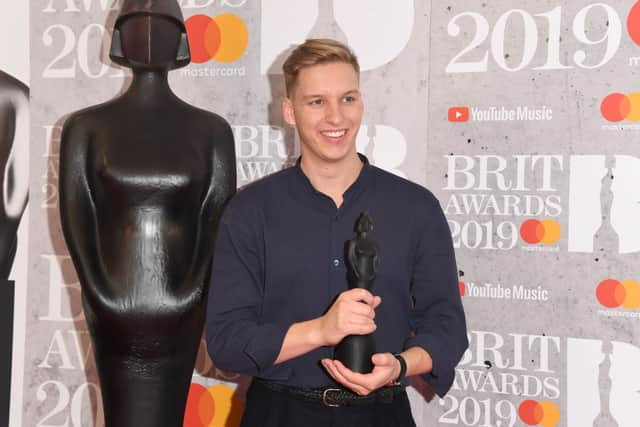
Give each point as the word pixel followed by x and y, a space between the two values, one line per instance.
pixel 326 107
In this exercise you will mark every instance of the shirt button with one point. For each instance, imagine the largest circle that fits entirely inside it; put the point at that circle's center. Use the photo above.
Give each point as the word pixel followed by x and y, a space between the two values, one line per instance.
pixel 336 262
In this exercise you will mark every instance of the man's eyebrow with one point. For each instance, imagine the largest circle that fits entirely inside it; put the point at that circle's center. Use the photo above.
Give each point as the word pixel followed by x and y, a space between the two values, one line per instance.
pixel 312 96
pixel 349 92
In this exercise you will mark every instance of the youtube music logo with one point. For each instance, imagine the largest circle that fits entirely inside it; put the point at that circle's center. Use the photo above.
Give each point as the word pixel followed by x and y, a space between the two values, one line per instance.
pixel 458 114
pixel 500 113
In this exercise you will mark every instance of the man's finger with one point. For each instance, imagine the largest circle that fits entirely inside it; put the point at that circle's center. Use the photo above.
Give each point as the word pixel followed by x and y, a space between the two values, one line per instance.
pixel 362 310
pixel 349 375
pixel 359 321
pixel 384 359
pixel 376 301
pixel 372 381
pixel 330 366
pixel 360 294
pixel 362 329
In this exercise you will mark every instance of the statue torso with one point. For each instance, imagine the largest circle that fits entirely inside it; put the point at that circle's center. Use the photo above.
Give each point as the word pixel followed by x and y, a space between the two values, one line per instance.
pixel 148 174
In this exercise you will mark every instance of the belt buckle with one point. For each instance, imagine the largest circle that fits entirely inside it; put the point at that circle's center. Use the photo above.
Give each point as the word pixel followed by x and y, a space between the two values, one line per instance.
pixel 325 400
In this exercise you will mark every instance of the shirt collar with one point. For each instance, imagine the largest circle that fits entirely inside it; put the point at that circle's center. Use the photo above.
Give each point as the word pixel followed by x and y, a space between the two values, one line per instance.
pixel 359 185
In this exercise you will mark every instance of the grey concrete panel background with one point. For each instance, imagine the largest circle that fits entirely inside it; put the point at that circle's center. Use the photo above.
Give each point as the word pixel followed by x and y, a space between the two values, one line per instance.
pixel 524 346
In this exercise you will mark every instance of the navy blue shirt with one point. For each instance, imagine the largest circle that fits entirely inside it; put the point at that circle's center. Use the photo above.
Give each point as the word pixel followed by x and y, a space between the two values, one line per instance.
pixel 280 259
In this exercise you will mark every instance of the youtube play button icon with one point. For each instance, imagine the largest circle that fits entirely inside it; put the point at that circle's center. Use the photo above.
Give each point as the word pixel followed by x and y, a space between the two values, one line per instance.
pixel 458 114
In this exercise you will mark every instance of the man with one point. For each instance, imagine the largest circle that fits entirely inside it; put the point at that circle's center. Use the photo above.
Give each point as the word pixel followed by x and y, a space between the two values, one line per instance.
pixel 278 301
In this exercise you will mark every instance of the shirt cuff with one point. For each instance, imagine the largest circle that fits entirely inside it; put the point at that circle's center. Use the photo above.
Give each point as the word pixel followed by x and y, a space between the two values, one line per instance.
pixel 265 346
pixel 443 370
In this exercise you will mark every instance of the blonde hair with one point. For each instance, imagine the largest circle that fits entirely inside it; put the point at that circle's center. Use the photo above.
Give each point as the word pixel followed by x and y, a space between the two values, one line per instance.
pixel 314 52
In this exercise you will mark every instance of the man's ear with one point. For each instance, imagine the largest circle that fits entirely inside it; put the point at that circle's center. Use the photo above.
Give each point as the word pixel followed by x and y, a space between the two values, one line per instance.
pixel 287 111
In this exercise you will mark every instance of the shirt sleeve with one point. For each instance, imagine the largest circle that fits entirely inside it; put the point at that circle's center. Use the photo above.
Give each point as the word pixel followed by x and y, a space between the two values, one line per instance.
pixel 437 319
pixel 237 340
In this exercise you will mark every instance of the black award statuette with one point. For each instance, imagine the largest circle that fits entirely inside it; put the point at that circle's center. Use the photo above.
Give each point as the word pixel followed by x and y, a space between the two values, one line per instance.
pixel 14 166
pixel 7 292
pixel 355 351
pixel 14 192
pixel 144 179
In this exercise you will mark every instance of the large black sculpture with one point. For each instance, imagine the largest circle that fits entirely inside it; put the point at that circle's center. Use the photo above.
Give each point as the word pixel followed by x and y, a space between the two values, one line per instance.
pixel 355 351
pixel 14 188
pixel 14 174
pixel 143 181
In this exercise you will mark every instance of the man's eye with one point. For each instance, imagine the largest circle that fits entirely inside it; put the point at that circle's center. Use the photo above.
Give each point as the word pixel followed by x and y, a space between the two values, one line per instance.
pixel 349 98
pixel 316 102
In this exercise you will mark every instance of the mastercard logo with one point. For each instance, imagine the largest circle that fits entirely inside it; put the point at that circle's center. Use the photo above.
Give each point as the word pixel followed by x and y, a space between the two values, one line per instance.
pixel 546 231
pixel 223 38
pixel 617 107
pixel 545 414
pixel 216 406
pixel 613 294
pixel 462 288
pixel 633 23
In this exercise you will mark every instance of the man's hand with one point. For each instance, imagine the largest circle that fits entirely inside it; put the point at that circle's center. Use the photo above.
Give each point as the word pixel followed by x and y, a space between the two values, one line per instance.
pixel 352 313
pixel 386 370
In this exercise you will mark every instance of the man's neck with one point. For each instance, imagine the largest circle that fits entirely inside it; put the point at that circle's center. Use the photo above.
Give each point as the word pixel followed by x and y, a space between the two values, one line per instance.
pixel 332 179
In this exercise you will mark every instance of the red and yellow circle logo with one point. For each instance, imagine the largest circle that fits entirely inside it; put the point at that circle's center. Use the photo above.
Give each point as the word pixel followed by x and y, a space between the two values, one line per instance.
pixel 612 293
pixel 216 406
pixel 223 38
pixel 633 23
pixel 617 107
pixel 546 231
pixel 545 414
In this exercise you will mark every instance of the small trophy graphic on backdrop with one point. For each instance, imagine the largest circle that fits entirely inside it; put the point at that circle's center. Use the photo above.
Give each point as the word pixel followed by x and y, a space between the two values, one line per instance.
pixel 355 351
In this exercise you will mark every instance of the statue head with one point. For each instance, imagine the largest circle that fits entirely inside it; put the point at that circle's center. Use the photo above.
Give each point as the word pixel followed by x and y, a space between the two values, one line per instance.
pixel 365 223
pixel 150 34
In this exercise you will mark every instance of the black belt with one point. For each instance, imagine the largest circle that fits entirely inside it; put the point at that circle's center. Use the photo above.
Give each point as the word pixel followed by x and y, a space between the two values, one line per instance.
pixel 334 396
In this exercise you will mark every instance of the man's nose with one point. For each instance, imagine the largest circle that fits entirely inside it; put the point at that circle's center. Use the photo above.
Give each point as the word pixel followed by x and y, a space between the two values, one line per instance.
pixel 334 114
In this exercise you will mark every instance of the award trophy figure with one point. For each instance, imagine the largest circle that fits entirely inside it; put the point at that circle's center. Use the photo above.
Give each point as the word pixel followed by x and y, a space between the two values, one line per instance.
pixel 355 351
pixel 14 185
pixel 143 182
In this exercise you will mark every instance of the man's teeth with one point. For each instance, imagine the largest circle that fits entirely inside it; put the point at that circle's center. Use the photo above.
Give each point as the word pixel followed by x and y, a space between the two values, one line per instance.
pixel 335 134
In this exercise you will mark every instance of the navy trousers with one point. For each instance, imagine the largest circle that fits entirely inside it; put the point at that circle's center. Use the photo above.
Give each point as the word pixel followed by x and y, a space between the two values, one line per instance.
pixel 267 408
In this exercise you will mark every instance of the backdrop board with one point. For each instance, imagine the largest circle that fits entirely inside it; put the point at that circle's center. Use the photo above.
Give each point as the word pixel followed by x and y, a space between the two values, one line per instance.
pixel 536 173
pixel 523 119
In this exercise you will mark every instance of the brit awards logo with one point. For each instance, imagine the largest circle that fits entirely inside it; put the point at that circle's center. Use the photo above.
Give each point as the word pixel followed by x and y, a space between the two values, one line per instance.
pixel 603 383
pixel 384 146
pixel 533 413
pixel 483 41
pixel 633 23
pixel 621 111
pixel 496 202
pixel 546 232
pixel 223 38
pixel 618 298
pixel 604 204
pixel 506 379
pixel 495 385
pixel 617 107
pixel 216 406
pixel 263 150
pixel 376 31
